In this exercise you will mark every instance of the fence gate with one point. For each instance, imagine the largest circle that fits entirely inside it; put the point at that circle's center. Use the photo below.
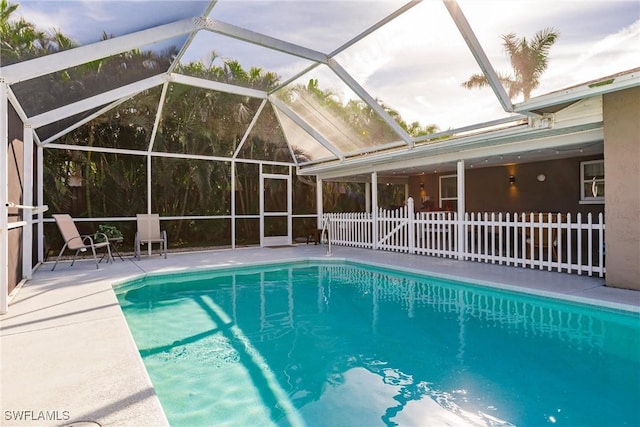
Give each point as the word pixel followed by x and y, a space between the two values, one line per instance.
pixel 395 229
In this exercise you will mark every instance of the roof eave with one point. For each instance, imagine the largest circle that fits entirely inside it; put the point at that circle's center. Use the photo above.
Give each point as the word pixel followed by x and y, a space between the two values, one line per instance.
pixel 613 83
pixel 518 139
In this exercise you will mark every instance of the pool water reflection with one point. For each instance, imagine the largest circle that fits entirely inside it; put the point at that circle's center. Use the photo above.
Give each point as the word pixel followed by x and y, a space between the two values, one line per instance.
pixel 341 344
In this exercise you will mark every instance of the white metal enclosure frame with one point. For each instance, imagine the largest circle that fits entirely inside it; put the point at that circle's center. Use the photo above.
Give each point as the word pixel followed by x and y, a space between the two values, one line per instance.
pixel 529 127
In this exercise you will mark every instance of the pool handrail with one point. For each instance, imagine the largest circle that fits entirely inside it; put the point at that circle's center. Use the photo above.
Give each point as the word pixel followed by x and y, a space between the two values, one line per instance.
pixel 325 225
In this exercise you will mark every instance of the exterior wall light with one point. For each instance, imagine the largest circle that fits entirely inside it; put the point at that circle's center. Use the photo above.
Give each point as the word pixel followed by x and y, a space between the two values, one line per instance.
pixel 512 179
pixel 542 177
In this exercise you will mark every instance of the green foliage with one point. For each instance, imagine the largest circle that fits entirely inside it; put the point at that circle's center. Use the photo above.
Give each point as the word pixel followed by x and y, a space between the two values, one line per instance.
pixel 19 39
pixel 111 231
pixel 194 121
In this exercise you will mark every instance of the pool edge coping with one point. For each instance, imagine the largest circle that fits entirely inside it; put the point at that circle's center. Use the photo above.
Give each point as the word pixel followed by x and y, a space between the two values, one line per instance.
pixel 569 297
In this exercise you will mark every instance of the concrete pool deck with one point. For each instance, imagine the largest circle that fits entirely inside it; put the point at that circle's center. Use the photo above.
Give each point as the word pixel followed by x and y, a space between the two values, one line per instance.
pixel 67 355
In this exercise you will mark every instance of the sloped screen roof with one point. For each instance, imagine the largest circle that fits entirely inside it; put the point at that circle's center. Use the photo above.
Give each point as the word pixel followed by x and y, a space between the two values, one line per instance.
pixel 320 80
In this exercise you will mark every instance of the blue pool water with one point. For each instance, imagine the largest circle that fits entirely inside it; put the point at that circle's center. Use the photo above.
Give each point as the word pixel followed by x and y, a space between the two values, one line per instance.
pixel 332 344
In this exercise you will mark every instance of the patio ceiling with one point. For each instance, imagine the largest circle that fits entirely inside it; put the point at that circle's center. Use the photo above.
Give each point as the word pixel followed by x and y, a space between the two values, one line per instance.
pixel 518 144
pixel 402 63
pixel 437 166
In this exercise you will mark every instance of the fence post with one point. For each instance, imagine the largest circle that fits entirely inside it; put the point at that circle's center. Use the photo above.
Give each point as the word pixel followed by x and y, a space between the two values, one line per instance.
pixel 569 246
pixel 411 225
pixel 590 244
pixel 601 245
pixel 579 242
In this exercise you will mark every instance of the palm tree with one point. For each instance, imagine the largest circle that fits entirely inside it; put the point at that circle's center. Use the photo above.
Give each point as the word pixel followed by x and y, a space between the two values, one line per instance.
pixel 528 60
pixel 18 38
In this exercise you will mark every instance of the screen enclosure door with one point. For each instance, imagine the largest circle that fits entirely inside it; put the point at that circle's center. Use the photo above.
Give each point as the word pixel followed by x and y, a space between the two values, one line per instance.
pixel 275 209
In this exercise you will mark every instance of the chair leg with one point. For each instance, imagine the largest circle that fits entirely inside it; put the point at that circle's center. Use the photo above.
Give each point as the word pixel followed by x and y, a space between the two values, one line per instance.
pixel 74 257
pixel 59 255
pixel 164 243
pixel 95 258
pixel 109 252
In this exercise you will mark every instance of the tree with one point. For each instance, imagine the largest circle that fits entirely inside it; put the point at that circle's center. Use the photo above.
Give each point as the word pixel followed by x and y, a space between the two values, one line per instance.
pixel 528 60
pixel 18 38
pixel 194 121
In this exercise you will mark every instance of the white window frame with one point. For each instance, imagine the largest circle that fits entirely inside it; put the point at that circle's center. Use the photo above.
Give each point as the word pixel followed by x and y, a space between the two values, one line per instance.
pixel 447 199
pixel 586 199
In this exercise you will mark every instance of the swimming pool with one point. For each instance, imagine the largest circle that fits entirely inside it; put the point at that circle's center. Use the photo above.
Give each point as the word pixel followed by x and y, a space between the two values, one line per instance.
pixel 330 343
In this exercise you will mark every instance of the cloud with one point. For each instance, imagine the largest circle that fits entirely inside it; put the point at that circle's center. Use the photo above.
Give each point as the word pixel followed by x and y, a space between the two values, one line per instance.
pixel 85 21
pixel 614 53
pixel 320 25
pixel 418 63
pixel 415 64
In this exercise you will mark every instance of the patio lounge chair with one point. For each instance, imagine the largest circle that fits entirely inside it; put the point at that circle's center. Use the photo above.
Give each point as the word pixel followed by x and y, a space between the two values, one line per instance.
pixel 74 241
pixel 149 233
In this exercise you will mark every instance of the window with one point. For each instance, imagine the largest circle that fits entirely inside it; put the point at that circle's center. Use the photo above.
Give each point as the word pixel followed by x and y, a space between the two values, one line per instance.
pixel 592 181
pixel 449 192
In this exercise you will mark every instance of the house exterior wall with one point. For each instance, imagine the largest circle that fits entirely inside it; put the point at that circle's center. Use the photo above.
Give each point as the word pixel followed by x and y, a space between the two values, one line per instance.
pixel 622 195
pixel 488 189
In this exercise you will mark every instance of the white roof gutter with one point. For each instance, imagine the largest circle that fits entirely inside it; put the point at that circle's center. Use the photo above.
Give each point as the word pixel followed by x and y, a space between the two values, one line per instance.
pixel 621 81
pixel 518 139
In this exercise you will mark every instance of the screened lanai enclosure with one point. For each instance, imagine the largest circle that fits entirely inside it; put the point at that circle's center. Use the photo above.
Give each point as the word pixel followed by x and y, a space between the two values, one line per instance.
pixel 243 122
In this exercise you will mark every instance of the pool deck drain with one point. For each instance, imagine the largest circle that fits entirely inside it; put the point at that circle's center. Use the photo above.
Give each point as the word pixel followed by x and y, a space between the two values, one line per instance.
pixel 67 353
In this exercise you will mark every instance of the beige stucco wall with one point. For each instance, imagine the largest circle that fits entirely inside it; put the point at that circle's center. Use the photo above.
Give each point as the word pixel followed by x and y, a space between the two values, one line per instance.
pixel 622 195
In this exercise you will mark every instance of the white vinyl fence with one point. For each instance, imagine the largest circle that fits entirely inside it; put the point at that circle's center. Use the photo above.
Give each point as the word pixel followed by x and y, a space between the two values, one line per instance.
pixel 553 242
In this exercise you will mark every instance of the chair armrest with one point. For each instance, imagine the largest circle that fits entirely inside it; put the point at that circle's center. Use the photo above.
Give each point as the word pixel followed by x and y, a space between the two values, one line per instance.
pixel 88 238
pixel 74 238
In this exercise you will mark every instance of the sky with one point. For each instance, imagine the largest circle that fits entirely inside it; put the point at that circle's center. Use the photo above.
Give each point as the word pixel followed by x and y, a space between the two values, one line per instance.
pixel 415 64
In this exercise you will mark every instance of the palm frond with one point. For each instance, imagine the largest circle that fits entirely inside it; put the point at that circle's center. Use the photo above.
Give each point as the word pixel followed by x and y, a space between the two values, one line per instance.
pixel 476 81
